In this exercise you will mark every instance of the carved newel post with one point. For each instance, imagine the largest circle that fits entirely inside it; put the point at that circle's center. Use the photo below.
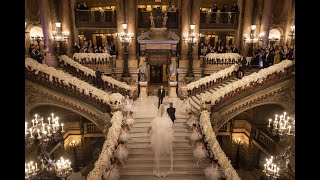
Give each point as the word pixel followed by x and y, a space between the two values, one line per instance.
pixel 143 88
pixel 173 78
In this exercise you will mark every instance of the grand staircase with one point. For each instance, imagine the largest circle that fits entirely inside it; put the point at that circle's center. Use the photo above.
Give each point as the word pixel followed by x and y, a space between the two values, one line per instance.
pixel 140 160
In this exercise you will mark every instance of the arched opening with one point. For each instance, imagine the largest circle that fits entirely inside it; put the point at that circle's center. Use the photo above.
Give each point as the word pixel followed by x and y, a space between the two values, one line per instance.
pixel 275 36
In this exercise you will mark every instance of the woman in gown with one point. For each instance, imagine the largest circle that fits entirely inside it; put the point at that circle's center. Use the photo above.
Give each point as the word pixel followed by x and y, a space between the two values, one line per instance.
pixel 195 134
pixel 124 136
pixel 127 104
pixel 112 173
pixel 191 120
pixel 130 120
pixel 161 139
pixel 121 152
pixel 186 105
pixel 200 152
pixel 212 172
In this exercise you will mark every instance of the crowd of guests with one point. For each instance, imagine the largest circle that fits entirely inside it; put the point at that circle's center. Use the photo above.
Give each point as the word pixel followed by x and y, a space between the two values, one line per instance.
pixel 219 47
pixel 82 6
pixel 37 54
pixel 270 55
pixel 89 47
pixel 223 18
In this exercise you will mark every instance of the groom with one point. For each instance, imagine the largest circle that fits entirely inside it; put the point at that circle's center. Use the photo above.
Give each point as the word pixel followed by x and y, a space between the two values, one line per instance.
pixel 161 95
pixel 171 111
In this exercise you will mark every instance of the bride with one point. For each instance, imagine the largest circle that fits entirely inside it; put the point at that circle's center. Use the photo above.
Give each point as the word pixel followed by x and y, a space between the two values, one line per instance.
pixel 161 142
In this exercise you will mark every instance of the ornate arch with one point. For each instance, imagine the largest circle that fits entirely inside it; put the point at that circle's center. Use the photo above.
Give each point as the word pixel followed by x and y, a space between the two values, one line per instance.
pixel 37 95
pixel 281 94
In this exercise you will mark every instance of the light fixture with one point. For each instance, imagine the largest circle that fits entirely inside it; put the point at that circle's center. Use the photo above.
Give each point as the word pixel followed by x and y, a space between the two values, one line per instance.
pixel 253 27
pixel 63 168
pixel 124 26
pixel 192 26
pixel 271 169
pixel 125 38
pixel 73 143
pixel 31 170
pixel 282 125
pixel 58 24
pixel 59 36
pixel 239 141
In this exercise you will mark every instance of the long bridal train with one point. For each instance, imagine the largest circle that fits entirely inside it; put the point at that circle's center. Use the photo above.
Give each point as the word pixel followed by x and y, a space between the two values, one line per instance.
pixel 161 142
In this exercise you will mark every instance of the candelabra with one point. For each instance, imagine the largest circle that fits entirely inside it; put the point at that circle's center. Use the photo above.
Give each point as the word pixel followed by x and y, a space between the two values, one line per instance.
pixel 63 168
pixel 292 35
pixel 74 144
pixel 31 170
pixel 252 38
pixel 125 38
pixel 270 169
pixel 59 36
pixel 284 125
pixel 239 142
pixel 191 40
pixel 273 40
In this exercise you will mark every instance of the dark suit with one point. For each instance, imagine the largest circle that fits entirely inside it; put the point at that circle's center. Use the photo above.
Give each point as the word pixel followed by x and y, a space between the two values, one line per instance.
pixel 171 112
pixel 99 81
pixel 161 95
pixel 267 60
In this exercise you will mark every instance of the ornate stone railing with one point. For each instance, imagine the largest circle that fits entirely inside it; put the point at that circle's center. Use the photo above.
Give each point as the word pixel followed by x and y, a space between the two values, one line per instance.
pixel 94 58
pixel 211 81
pixel 66 84
pixel 88 75
pixel 219 20
pixel 96 18
pixel 221 58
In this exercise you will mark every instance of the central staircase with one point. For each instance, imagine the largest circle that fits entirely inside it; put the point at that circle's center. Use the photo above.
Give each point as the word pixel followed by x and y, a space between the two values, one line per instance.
pixel 140 162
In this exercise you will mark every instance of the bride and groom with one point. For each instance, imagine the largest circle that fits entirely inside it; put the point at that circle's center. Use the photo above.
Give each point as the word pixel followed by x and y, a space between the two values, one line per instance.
pixel 161 139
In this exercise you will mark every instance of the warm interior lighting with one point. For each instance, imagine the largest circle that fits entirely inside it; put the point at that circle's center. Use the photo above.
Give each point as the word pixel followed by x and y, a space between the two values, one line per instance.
pixel 124 26
pixel 192 26
pixel 253 27
pixel 58 24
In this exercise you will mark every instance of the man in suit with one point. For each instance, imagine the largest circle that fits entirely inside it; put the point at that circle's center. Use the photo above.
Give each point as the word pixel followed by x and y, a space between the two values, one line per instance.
pixel 267 59
pixel 161 95
pixel 171 111
pixel 99 81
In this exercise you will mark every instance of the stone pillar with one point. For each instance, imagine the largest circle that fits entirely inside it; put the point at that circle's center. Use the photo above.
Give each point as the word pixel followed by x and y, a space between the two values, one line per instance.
pixel 290 21
pixel 131 14
pixel 195 19
pixel 185 28
pixel 265 21
pixel 73 22
pixel 66 25
pixel 247 22
pixel 237 41
pixel 120 21
pixel 46 23
pixel 143 89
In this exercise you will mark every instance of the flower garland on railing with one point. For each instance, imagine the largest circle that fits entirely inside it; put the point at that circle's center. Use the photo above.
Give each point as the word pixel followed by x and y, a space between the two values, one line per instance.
pixel 213 77
pixel 88 71
pixel 215 147
pixel 224 58
pixel 67 79
pixel 246 80
pixel 108 148
pixel 90 56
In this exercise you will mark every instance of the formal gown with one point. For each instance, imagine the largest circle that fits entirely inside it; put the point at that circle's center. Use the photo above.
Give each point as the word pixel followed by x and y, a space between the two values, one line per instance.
pixel 199 152
pixel 112 174
pixel 124 136
pixel 195 135
pixel 122 152
pixel 212 173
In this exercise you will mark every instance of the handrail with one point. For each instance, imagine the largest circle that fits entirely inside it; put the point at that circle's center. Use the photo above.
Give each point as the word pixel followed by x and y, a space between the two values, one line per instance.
pixel 88 74
pixel 67 84
pixel 212 80
pixel 108 149
pixel 215 148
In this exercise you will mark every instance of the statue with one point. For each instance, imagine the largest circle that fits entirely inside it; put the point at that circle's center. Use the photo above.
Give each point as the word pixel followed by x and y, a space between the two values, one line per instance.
pixel 143 68
pixel 173 70
pixel 152 20
pixel 164 22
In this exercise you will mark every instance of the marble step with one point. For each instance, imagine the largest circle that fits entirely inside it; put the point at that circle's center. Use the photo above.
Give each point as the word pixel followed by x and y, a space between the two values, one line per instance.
pixel 148 145
pixel 148 165
pixel 177 171
pixel 145 134
pixel 145 129
pixel 146 139
pixel 169 177
pixel 180 118
pixel 149 151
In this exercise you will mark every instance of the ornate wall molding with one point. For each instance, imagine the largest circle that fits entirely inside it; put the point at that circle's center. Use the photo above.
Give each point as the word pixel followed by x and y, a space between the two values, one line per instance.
pixel 37 95
pixel 282 94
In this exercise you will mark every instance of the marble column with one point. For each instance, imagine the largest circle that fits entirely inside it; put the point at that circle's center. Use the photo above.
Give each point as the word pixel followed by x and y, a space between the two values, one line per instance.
pixel 131 14
pixel 185 27
pixel 195 19
pixel 265 21
pixel 290 21
pixel 46 23
pixel 120 21
pixel 247 22
pixel 73 20
pixel 66 25
pixel 237 41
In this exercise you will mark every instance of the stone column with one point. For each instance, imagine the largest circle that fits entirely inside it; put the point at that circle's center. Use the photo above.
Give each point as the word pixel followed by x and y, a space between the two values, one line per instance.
pixel 237 41
pixel 265 21
pixel 195 19
pixel 247 22
pixel 290 21
pixel 66 25
pixel 73 20
pixel 185 28
pixel 120 21
pixel 46 23
pixel 131 14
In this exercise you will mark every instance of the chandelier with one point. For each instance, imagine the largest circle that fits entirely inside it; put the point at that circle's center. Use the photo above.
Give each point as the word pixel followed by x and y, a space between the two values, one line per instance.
pixel 31 170
pixel 59 36
pixel 271 169
pixel 125 37
pixel 282 125
pixel 191 37
pixel 63 168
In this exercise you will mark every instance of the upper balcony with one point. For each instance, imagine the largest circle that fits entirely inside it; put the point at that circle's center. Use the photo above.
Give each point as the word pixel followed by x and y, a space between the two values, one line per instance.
pixel 96 18
pixel 172 21
pixel 219 20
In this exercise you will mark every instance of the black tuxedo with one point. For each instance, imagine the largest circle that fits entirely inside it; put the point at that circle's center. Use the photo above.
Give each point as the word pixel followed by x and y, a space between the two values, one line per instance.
pixel 99 81
pixel 171 112
pixel 161 95
pixel 267 60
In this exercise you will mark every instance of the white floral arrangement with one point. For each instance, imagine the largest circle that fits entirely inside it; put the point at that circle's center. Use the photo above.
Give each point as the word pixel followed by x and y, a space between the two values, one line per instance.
pixel 246 80
pixel 225 57
pixel 215 147
pixel 108 148
pixel 213 77
pixel 88 71
pixel 68 79
pixel 116 97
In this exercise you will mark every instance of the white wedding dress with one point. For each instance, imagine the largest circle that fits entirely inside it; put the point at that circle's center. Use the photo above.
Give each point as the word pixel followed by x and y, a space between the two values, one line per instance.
pixel 212 173
pixel 161 142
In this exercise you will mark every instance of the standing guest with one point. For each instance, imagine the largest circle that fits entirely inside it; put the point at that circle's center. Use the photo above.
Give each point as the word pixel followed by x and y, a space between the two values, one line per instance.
pixel 112 49
pixel 130 120
pixel 161 95
pixel 30 48
pixel 124 136
pixel 212 172
pixel 126 104
pixel 214 11
pixel 200 152
pixel 224 16
pixel 99 81
pixel 79 7
pixel 267 59
pixel 84 6
pixel 112 173
pixel 234 11
pixel 277 57
pixel 171 112
pixel 195 134
pixel 186 105
pixel 121 152
pixel 76 47
pixel 234 49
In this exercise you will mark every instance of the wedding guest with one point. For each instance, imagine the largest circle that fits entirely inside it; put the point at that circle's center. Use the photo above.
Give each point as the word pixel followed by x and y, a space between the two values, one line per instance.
pixel 195 134
pixel 186 105
pixel 124 136
pixel 213 171
pixel 200 152
pixel 121 152
pixel 130 120
pixel 127 104
pixel 214 11
pixel 112 173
